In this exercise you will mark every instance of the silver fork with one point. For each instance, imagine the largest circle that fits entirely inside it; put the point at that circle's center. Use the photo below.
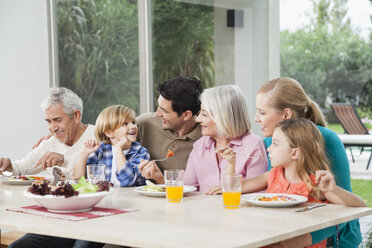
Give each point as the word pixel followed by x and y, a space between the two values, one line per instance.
pixel 161 159
pixel 248 156
pixel 307 208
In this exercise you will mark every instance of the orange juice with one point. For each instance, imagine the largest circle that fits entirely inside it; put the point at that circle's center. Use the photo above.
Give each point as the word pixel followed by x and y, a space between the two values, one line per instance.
pixel 231 200
pixel 174 193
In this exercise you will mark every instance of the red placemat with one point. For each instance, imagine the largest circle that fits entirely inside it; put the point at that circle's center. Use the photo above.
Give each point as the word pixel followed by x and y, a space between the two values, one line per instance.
pixel 95 212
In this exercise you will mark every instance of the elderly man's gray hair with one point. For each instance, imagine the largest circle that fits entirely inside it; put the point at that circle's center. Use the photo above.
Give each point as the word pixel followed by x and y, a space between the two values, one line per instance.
pixel 64 96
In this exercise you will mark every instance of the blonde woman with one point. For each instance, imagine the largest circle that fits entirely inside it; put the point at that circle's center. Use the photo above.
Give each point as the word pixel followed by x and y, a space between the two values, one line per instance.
pixel 284 98
pixel 300 166
pixel 227 141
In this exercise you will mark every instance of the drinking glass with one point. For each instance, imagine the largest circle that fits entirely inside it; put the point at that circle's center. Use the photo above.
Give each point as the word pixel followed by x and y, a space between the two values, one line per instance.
pixel 96 172
pixel 231 191
pixel 174 185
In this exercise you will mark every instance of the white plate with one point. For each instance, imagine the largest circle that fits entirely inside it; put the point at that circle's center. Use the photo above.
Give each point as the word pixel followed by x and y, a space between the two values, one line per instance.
pixel 60 204
pixel 253 198
pixel 11 180
pixel 141 190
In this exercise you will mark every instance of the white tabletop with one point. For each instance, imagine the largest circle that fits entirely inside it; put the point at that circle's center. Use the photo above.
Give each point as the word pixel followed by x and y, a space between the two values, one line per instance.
pixel 199 221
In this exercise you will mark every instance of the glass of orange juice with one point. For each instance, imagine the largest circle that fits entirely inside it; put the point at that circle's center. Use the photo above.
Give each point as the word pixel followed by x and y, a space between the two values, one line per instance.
pixel 174 185
pixel 231 191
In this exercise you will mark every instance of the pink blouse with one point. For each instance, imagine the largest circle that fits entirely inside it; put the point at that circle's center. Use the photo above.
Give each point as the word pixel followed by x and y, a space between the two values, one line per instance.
pixel 203 170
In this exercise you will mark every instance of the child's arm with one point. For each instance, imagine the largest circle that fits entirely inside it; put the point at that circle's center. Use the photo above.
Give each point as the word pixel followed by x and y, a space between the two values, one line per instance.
pixel 88 147
pixel 122 145
pixel 129 174
pixel 335 194
pixel 255 184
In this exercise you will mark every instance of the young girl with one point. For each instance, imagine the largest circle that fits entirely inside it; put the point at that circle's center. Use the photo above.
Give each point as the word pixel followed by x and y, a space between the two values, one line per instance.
pixel 300 167
pixel 116 130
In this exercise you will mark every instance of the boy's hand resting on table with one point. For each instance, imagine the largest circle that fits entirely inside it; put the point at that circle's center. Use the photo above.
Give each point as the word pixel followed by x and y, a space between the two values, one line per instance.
pixel 150 170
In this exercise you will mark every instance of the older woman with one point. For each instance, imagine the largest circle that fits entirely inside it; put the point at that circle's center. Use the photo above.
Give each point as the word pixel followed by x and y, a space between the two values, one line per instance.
pixel 227 141
pixel 284 98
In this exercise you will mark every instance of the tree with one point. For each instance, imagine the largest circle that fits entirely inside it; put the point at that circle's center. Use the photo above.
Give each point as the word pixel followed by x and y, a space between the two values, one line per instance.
pixel 328 55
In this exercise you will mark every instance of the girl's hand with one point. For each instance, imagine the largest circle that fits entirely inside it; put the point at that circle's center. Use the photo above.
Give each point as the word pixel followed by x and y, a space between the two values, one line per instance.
pixel 123 144
pixel 90 146
pixel 325 181
pixel 215 190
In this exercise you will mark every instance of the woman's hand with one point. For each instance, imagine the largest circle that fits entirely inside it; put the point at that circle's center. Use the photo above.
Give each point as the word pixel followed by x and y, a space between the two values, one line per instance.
pixel 325 181
pixel 215 190
pixel 229 155
pixel 90 146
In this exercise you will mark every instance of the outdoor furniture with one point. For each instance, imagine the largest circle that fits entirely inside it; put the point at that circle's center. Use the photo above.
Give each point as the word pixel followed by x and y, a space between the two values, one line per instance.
pixel 198 221
pixel 356 132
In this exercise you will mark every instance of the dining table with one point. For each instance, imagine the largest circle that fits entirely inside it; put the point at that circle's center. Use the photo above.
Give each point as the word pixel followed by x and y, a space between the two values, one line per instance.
pixel 198 221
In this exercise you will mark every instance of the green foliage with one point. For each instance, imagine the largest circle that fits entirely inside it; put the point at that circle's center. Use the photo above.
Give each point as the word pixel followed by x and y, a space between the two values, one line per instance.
pixel 98 53
pixel 337 128
pixel 183 42
pixel 362 188
pixel 328 56
pixel 98 48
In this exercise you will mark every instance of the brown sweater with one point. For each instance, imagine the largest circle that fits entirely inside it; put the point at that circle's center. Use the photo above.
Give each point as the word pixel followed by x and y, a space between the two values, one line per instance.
pixel 158 140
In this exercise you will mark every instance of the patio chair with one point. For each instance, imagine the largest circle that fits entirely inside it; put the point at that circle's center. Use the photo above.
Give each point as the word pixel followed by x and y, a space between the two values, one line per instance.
pixel 352 125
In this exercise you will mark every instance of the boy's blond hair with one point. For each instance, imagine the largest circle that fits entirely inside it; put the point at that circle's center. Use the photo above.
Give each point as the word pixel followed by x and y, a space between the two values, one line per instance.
pixel 110 119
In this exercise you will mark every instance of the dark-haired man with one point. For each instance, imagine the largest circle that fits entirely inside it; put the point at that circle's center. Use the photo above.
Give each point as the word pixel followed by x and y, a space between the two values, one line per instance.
pixel 172 126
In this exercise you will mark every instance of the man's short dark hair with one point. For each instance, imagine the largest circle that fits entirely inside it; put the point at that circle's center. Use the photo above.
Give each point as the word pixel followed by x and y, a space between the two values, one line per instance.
pixel 184 94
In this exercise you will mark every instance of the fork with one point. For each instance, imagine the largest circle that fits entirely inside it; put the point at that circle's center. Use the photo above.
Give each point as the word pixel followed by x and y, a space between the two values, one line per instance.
pixel 161 159
pixel 307 208
pixel 248 156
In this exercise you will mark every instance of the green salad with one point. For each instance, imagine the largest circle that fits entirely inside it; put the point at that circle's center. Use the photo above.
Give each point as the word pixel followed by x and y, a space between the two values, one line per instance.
pixel 150 187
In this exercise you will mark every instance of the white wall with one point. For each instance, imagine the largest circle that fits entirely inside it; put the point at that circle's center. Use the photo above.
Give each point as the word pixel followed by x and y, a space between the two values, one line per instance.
pixel 248 56
pixel 23 75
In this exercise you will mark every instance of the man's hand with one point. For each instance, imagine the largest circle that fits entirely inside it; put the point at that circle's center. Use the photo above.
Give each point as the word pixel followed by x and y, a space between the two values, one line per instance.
pixel 150 170
pixel 5 165
pixel 50 159
pixel 46 137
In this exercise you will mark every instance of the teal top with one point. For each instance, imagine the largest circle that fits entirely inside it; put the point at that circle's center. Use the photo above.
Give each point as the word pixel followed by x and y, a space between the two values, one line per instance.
pixel 349 232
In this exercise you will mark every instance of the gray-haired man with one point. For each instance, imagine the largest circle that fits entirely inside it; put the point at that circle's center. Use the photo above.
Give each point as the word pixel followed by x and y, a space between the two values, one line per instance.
pixel 63 110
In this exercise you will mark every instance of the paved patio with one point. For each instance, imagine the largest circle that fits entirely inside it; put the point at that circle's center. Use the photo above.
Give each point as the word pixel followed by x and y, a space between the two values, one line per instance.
pixel 358 171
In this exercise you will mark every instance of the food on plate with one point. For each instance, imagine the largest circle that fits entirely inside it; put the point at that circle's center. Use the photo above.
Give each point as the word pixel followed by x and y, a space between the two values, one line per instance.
pixel 66 189
pixel 170 153
pixel 26 178
pixel 150 187
pixel 276 198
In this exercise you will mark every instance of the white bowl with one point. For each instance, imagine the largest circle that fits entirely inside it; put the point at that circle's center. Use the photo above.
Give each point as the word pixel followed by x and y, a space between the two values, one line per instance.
pixel 60 204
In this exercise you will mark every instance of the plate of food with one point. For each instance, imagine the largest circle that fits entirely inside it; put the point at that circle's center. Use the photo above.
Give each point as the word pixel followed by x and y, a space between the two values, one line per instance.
pixel 274 199
pixel 158 190
pixel 21 180
pixel 68 196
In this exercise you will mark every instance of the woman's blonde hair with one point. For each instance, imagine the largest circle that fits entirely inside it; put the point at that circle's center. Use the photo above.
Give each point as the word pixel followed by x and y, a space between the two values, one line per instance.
pixel 288 93
pixel 303 134
pixel 110 119
pixel 227 107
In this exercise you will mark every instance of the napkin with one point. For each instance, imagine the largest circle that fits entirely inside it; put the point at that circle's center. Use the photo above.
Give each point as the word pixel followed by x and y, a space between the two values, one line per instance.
pixel 95 212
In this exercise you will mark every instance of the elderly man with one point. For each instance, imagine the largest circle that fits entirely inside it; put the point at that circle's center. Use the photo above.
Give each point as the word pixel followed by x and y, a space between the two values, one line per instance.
pixel 63 110
pixel 173 126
